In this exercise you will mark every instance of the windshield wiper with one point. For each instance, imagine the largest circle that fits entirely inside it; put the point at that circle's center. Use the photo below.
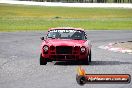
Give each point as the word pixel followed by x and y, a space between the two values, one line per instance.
pixel 53 38
pixel 76 39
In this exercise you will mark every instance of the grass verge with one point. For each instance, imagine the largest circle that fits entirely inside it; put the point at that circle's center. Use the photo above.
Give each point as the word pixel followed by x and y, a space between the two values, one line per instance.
pixel 27 18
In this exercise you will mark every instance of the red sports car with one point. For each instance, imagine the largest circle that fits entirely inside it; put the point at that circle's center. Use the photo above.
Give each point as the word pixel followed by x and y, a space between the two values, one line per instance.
pixel 65 44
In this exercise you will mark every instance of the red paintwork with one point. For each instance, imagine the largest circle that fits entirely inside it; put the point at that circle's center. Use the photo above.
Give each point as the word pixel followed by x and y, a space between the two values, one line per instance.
pixel 66 42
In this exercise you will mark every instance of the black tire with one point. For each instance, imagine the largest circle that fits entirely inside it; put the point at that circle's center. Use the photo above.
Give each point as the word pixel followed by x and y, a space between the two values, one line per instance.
pixel 90 56
pixel 42 60
pixel 86 61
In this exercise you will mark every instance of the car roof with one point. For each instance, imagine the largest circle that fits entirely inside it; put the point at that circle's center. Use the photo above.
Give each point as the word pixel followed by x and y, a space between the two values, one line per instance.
pixel 67 28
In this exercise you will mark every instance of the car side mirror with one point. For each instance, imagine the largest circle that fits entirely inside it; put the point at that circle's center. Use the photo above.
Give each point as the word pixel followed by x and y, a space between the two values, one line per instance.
pixel 85 37
pixel 42 38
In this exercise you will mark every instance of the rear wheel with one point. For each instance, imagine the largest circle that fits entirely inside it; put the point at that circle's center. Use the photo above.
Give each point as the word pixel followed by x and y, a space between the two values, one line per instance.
pixel 43 61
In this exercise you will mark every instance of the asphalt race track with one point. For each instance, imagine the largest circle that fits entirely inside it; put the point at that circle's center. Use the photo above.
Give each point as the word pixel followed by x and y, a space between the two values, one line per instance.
pixel 19 62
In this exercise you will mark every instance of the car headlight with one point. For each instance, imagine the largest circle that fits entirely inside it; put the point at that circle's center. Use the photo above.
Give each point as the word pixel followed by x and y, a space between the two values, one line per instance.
pixel 83 49
pixel 45 48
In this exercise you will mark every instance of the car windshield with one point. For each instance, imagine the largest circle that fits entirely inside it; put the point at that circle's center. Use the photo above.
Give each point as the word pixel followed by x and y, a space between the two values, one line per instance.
pixel 66 34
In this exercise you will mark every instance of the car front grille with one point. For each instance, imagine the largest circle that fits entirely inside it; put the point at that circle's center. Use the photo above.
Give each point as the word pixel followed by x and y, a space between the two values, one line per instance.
pixel 64 50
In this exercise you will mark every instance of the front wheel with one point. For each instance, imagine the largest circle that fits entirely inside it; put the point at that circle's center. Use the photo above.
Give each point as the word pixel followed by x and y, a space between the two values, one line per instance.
pixel 89 56
pixel 85 61
pixel 42 60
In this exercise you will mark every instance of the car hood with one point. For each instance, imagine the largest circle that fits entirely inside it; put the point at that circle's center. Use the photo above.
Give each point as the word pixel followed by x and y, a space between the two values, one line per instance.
pixel 64 42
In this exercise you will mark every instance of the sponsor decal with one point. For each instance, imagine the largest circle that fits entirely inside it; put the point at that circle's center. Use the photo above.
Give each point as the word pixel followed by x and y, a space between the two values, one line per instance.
pixel 83 78
pixel 65 31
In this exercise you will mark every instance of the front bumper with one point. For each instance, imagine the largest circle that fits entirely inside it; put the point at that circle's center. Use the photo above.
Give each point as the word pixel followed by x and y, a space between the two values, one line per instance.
pixel 65 57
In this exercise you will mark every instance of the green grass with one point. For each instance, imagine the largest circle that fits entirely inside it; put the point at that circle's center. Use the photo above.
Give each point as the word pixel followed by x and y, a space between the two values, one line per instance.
pixel 25 18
